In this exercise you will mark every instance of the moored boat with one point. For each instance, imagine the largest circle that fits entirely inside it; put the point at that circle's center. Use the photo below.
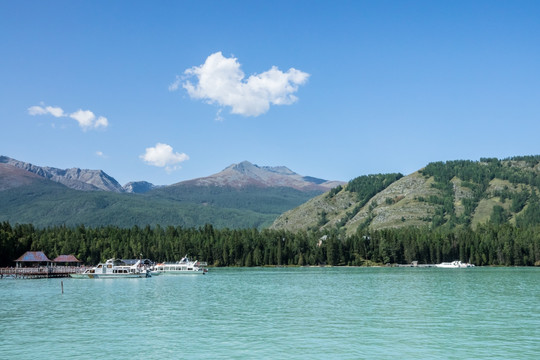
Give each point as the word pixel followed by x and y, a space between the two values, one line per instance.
pixel 114 268
pixel 454 265
pixel 184 266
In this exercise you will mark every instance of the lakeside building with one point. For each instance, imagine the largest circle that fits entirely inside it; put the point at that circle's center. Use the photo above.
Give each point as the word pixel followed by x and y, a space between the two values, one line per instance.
pixel 38 258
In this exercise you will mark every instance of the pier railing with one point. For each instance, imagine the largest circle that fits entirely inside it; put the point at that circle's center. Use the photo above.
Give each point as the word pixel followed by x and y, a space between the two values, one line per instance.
pixel 40 271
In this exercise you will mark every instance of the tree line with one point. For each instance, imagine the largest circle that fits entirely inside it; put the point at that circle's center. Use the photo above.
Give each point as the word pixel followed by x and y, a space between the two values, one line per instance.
pixel 489 244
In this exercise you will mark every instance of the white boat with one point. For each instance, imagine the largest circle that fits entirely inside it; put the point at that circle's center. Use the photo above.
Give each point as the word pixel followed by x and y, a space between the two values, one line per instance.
pixel 184 266
pixel 454 265
pixel 114 268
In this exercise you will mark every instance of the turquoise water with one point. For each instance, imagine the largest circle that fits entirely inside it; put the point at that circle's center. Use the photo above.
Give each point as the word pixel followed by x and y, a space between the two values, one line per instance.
pixel 278 313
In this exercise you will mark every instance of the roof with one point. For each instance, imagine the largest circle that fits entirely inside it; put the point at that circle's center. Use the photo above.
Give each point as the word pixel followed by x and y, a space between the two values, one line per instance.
pixel 134 261
pixel 66 258
pixel 33 256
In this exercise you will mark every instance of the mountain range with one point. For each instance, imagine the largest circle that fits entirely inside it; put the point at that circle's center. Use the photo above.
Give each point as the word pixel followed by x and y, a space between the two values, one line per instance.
pixel 451 194
pixel 242 195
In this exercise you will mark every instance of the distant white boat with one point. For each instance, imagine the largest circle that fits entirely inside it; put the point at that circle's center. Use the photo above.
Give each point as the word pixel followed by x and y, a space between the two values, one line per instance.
pixel 114 268
pixel 184 266
pixel 454 265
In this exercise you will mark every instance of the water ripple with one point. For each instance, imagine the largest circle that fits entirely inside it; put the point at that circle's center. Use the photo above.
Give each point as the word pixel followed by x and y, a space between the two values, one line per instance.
pixel 293 313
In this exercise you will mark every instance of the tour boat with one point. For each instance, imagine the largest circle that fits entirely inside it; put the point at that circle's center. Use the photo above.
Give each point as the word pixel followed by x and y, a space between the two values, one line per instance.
pixel 114 268
pixel 184 266
pixel 454 264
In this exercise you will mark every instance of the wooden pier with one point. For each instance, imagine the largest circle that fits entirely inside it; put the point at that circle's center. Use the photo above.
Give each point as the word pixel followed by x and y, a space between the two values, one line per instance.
pixel 40 272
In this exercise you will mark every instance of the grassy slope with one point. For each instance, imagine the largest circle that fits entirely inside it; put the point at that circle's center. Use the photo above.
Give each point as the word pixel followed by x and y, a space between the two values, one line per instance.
pixel 401 204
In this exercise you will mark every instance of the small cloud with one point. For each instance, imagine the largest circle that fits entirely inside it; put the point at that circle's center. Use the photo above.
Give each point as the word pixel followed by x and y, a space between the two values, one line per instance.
pixel 174 86
pixel 39 110
pixel 85 118
pixel 221 81
pixel 218 116
pixel 36 110
pixel 101 154
pixel 55 111
pixel 162 155
pixel 101 122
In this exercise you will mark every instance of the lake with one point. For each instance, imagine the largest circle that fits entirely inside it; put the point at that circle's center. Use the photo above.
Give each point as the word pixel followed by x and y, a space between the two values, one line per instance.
pixel 278 313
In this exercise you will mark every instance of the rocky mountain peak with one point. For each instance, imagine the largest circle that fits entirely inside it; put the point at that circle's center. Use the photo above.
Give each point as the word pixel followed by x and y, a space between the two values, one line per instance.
pixel 246 174
pixel 74 178
pixel 139 187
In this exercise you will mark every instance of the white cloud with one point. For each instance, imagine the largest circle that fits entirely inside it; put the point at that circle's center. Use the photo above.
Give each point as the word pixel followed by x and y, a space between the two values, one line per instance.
pixel 101 122
pixel 101 154
pixel 162 155
pixel 221 81
pixel 36 110
pixel 39 110
pixel 85 118
pixel 174 86
pixel 55 111
pixel 218 116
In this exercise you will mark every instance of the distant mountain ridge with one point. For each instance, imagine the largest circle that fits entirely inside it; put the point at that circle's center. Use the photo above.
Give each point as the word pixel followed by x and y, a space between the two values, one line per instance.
pixel 238 176
pixel 246 174
pixel 242 195
pixel 74 178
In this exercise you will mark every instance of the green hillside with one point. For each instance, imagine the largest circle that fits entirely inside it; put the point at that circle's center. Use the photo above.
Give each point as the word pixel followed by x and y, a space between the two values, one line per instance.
pixel 264 200
pixel 449 195
pixel 44 203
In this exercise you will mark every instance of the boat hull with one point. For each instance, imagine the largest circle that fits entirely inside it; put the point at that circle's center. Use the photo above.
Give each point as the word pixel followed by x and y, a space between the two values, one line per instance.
pixel 108 276
pixel 179 272
pixel 454 265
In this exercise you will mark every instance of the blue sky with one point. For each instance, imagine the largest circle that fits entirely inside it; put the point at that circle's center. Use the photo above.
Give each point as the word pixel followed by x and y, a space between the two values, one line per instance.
pixel 166 91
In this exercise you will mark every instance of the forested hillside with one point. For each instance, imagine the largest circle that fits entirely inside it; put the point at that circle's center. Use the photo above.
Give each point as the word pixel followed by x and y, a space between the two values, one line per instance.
pixel 453 194
pixel 49 204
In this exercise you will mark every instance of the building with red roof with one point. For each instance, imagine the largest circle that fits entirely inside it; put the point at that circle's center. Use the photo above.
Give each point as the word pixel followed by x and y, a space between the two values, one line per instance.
pixel 67 260
pixel 38 258
pixel 33 258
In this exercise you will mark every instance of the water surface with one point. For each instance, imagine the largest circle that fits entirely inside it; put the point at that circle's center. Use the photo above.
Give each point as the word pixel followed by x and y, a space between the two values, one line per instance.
pixel 276 313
